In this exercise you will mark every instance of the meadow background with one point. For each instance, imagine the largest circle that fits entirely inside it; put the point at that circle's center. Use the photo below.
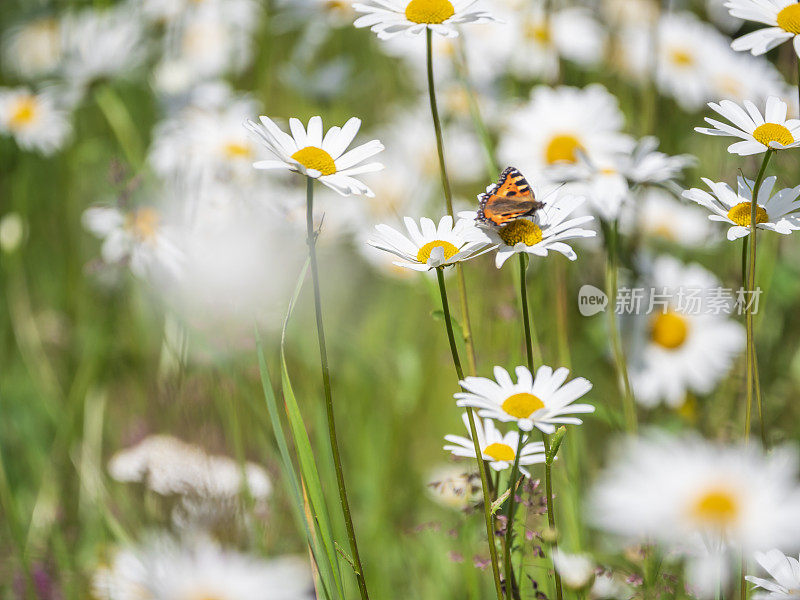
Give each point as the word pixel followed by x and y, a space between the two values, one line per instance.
pixel 85 372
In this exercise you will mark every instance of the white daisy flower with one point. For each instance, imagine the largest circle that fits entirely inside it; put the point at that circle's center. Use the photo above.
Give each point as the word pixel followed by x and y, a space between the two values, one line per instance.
pixel 686 491
pixel 541 40
pixel 137 236
pixel 453 487
pixel 646 165
pixel 758 133
pixel 33 49
pixel 389 18
pixel 681 346
pixel 543 402
pixel 773 212
pixel 308 153
pixel 741 77
pixel 659 215
pixel 429 246
pixel 164 568
pixel 602 181
pixel 498 449
pixel 576 570
pixel 102 43
pixel 167 465
pixel 33 119
pixel 785 573
pixel 782 16
pixel 548 229
pixel 558 125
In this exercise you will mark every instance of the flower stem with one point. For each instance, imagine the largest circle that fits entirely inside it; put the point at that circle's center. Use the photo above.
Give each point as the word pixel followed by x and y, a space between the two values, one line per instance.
pixel 487 509
pixel 629 404
pixel 512 501
pixel 752 369
pixel 466 326
pixel 326 383
pixel 523 294
pixel 551 515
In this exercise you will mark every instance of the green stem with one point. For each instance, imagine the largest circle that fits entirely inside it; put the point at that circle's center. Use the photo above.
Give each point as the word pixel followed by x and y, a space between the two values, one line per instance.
pixel 487 509
pixel 523 293
pixel 551 515
pixel 326 383
pixel 121 123
pixel 466 326
pixel 751 357
pixel 512 501
pixel 629 404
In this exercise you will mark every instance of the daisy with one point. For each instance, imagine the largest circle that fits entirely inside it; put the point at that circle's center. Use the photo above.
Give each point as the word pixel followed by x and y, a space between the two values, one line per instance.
pixel 453 487
pixel 758 133
pixel 167 465
pixel 602 181
pixel 164 568
pixel 543 402
pixel 685 491
pixel 498 449
pixel 558 125
pixel 308 153
pixel 646 165
pixel 772 213
pixel 389 18
pixel 785 573
pixel 33 119
pixel 659 215
pixel 783 17
pixel 681 347
pixel 430 246
pixel 33 49
pixel 546 230
pixel 741 77
pixel 137 236
pixel 577 570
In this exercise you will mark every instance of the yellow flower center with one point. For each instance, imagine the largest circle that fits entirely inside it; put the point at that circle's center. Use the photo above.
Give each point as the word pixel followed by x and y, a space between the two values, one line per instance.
pixel 681 58
pixel 717 507
pixel 538 32
pixel 315 158
pixel 430 12
pixel 563 148
pixel 521 230
pixel 143 223
pixel 740 214
pixel 789 18
pixel 500 452
pixel 522 405
pixel 425 252
pixel 237 150
pixel 669 330
pixel 772 132
pixel 23 112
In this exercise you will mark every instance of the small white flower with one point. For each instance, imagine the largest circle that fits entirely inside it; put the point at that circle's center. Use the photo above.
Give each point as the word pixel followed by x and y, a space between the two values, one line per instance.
pixel 658 214
pixel 326 159
pixel 543 402
pixel 758 133
pixel 429 246
pixel 33 49
pixel 647 165
pixel 685 492
pixel 576 570
pixel 33 119
pixel 785 573
pixel 388 18
pixel 772 213
pixel 498 449
pixel 782 16
pixel 683 345
pixel 137 236
pixel 164 568
pixel 547 230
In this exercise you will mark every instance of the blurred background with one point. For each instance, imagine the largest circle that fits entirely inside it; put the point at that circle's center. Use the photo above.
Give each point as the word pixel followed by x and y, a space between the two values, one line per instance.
pixel 123 157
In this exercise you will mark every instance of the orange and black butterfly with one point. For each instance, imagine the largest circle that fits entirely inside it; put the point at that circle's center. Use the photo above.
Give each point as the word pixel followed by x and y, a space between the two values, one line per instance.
pixel 508 199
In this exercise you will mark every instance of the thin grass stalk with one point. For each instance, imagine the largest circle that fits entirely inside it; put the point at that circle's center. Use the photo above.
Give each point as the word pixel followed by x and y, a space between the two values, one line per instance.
pixel 629 405
pixel 752 372
pixel 326 383
pixel 466 327
pixel 523 292
pixel 511 587
pixel 487 509
pixel 551 515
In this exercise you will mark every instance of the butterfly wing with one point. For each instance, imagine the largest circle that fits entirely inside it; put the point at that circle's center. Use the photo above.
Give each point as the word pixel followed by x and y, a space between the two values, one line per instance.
pixel 510 198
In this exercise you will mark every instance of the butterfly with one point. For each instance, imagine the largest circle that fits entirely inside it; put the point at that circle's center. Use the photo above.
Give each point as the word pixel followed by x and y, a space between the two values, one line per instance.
pixel 508 199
